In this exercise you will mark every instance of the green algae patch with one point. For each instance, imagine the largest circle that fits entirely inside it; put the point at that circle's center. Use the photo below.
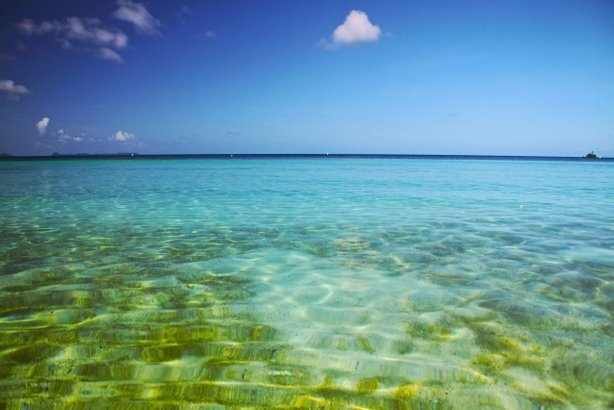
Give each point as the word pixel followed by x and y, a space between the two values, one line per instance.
pixel 364 344
pixel 502 350
pixel 29 354
pixel 580 368
pixel 368 385
pixel 408 391
pixel 165 353
pixel 490 337
pixel 404 346
pixel 489 362
pixel 287 375
pixel 309 402
pixel 417 396
pixel 545 399
pixel 327 386
pixel 439 330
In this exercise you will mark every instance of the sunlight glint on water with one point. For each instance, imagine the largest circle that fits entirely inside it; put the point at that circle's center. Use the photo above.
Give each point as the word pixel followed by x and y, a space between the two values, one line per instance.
pixel 380 283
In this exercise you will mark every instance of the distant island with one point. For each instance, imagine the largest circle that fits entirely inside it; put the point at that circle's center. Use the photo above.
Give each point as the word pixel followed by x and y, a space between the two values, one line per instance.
pixel 85 154
pixel 591 155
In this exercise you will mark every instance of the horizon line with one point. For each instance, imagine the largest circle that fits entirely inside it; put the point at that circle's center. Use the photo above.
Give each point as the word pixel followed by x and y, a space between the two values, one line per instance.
pixel 133 155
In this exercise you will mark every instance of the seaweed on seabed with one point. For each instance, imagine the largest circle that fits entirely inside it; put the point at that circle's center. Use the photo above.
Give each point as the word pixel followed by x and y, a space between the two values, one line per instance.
pixel 505 350
pixel 592 371
pixel 437 330
pixel 368 393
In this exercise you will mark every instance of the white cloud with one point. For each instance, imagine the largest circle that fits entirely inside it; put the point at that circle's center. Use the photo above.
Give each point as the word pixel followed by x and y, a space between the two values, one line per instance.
pixel 122 136
pixel 13 91
pixel 76 29
pixel 29 27
pixel 355 29
pixel 108 54
pixel 9 86
pixel 91 30
pixel 63 136
pixel 137 14
pixel 41 126
pixel 88 30
pixel 210 34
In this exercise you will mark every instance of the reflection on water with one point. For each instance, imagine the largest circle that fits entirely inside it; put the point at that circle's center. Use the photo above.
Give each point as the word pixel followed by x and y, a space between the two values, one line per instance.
pixel 306 284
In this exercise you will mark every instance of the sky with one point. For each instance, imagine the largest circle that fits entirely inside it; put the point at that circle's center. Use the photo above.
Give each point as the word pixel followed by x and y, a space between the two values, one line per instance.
pixel 291 76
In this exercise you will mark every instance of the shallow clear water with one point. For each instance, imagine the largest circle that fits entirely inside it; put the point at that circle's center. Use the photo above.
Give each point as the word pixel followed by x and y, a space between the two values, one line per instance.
pixel 322 283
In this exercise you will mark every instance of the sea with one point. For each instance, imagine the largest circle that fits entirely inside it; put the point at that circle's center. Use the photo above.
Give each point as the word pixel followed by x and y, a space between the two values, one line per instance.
pixel 321 281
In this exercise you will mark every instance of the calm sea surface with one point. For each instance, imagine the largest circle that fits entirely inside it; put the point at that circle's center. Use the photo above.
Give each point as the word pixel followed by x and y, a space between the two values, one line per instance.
pixel 306 283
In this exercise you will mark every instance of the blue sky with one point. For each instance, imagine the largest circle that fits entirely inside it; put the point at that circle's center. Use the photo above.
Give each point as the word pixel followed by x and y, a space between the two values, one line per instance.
pixel 398 77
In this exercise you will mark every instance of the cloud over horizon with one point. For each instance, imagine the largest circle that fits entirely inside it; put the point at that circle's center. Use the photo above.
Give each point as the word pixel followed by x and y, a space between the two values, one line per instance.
pixel 63 136
pixel 13 91
pixel 41 126
pixel 355 29
pixel 138 15
pixel 122 136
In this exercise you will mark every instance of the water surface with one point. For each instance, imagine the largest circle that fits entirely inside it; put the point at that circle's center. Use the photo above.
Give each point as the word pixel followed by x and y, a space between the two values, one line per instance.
pixel 318 282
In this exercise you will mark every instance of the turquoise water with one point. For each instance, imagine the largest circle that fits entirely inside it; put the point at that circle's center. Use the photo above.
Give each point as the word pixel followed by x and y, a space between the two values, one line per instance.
pixel 306 283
